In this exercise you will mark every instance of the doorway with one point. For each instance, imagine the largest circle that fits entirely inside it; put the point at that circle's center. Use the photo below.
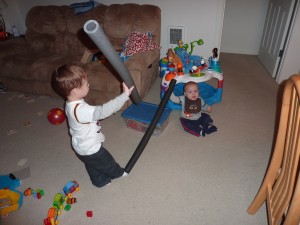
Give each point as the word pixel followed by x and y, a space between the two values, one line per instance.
pixel 277 29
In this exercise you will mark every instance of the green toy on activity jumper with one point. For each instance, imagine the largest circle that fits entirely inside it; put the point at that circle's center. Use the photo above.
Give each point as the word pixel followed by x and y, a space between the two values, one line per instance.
pixel 186 46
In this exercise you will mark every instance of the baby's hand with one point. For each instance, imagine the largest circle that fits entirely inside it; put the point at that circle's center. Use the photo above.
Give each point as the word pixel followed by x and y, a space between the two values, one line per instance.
pixel 126 90
pixel 209 109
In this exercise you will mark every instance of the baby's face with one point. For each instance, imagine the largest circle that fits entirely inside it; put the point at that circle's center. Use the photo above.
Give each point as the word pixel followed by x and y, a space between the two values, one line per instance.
pixel 192 92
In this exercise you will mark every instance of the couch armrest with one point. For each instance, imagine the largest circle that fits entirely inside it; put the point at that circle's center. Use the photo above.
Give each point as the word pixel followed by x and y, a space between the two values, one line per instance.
pixel 12 47
pixel 142 60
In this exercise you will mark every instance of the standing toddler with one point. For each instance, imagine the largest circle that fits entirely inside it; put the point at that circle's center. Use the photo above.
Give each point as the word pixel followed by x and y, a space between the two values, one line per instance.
pixel 71 82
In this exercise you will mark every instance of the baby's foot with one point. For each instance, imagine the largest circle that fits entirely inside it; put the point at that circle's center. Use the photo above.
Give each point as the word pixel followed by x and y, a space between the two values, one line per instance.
pixel 202 133
pixel 212 129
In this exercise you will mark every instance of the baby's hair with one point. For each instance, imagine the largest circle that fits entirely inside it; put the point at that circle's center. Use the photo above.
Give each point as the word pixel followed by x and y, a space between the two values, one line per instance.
pixel 67 77
pixel 189 84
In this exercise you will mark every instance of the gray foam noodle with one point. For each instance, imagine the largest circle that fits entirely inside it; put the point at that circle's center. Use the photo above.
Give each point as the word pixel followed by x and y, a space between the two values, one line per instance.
pixel 96 33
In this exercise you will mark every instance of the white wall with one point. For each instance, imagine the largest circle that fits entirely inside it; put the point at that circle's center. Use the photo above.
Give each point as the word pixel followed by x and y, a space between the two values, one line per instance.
pixel 201 18
pixel 12 16
pixel 243 26
pixel 242 30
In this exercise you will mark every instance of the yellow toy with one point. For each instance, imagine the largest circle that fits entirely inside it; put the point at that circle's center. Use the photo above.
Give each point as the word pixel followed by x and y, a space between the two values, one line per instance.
pixel 10 200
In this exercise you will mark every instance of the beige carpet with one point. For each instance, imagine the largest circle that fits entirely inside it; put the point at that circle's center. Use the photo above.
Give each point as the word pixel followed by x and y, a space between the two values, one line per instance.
pixel 178 180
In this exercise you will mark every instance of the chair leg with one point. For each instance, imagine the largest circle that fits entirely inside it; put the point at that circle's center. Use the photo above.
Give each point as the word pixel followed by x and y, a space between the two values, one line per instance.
pixel 270 178
pixel 293 215
pixel 259 199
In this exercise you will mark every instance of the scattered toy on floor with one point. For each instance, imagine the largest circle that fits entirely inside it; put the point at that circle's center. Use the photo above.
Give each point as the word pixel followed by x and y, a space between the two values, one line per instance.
pixel 61 201
pixel 89 213
pixel 70 187
pixel 10 198
pixel 38 193
pixel 68 207
pixel 71 201
pixel 56 116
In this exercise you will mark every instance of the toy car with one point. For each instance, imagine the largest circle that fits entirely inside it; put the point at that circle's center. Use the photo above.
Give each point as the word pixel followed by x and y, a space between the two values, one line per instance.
pixel 70 187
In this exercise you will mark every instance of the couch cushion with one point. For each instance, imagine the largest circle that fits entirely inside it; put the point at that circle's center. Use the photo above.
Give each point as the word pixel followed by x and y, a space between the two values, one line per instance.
pixel 48 19
pixel 102 76
pixel 58 29
pixel 130 18
pixel 41 65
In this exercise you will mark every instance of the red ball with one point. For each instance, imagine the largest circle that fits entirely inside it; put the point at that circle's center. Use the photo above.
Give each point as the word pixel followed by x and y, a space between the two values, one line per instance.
pixel 56 116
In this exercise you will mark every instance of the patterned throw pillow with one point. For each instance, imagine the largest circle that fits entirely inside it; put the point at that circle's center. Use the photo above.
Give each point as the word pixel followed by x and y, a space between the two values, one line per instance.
pixel 138 42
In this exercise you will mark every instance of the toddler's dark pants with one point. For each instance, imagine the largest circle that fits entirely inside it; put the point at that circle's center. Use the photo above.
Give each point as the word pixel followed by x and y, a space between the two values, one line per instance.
pixel 101 167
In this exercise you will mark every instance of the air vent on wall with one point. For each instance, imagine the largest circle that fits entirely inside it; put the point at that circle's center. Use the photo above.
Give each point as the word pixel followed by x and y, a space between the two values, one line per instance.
pixel 175 33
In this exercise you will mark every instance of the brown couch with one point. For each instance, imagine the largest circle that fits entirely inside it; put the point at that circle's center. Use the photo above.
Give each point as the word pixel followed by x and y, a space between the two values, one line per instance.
pixel 55 36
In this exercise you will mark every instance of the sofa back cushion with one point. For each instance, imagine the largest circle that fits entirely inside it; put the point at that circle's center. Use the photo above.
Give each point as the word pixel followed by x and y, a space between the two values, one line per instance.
pixel 58 29
pixel 122 19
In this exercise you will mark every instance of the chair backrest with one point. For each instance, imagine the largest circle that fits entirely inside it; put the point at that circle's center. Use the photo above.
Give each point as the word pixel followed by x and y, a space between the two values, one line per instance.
pixel 281 186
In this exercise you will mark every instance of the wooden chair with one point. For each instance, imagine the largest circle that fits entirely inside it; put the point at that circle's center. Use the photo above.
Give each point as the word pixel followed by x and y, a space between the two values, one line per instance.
pixel 281 186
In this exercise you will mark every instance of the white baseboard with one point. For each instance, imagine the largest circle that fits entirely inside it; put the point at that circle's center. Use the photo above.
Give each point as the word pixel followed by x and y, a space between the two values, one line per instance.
pixel 240 51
